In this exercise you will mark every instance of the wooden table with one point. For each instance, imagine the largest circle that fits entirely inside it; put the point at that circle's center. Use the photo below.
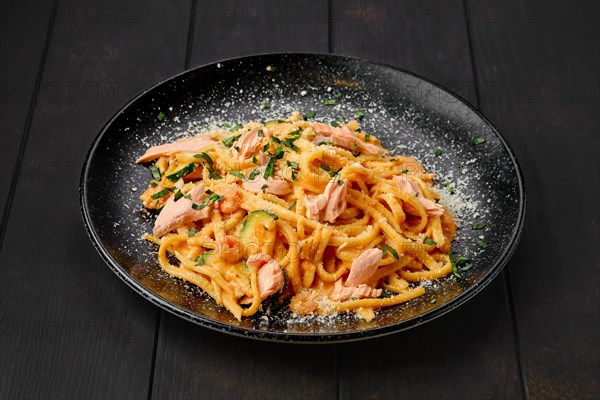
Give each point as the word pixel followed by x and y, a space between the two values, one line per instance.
pixel 69 328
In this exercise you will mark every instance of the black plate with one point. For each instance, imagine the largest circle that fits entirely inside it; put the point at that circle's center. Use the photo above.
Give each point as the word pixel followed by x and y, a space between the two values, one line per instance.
pixel 410 114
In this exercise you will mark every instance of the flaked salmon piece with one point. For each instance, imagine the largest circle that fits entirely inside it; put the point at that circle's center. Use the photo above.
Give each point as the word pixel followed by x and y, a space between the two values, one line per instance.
pixel 342 292
pixel 409 186
pixel 270 276
pixel 178 213
pixel 276 186
pixel 329 204
pixel 364 267
pixel 184 146
pixel 343 137
pixel 249 143
pixel 314 205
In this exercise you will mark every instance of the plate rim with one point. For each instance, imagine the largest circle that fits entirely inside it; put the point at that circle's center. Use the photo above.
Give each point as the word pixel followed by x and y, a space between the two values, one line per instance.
pixel 303 337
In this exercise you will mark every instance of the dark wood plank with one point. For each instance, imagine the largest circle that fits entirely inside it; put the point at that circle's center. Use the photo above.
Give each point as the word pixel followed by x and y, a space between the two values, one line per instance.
pixel 541 62
pixel 70 328
pixel 468 353
pixel 218 366
pixel 234 28
pixel 23 29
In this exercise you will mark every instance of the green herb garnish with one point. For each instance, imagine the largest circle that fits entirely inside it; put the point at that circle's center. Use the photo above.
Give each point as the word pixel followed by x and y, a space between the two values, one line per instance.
pixel 390 249
pixel 236 173
pixel 192 232
pixel 227 142
pixel 264 187
pixel 182 172
pixel 479 225
pixel 438 152
pixel 481 243
pixel 429 242
pixel 330 102
pixel 367 137
pixel 253 174
pixel 309 115
pixel 360 114
pixel 161 116
pixel 155 172
pixel 266 105
pixel 477 140
pixel 269 171
pixel 292 205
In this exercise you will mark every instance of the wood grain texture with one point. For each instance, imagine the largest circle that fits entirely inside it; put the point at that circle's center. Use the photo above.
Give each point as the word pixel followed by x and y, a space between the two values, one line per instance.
pixel 23 31
pixel 538 66
pixel 228 28
pixel 70 328
pixel 193 362
pixel 468 353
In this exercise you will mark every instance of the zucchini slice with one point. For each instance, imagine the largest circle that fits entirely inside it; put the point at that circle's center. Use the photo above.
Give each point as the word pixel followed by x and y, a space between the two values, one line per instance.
pixel 258 232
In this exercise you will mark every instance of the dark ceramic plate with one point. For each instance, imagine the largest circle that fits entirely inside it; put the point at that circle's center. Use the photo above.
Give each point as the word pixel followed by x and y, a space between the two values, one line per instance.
pixel 410 114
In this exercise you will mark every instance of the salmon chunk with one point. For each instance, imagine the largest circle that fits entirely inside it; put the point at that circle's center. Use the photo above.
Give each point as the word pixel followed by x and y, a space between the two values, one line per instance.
pixel 328 205
pixel 274 186
pixel 364 267
pixel 178 213
pixel 249 143
pixel 409 186
pixel 343 137
pixel 341 292
pixel 270 276
pixel 185 146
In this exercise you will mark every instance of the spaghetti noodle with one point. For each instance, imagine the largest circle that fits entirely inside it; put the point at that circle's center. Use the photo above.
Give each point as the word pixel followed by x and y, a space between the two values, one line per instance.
pixel 294 210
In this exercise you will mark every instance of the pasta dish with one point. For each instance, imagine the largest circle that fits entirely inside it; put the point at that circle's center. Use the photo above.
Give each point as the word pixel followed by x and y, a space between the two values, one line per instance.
pixel 317 215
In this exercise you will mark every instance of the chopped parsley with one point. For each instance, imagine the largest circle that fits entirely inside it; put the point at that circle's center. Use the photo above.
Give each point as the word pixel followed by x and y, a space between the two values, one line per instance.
pixel 479 225
pixel 228 142
pixel 269 171
pixel 338 122
pixel 236 173
pixel 477 140
pixel 253 174
pixel 433 301
pixel 293 165
pixel 192 232
pixel 155 172
pixel 438 152
pixel 429 242
pixel 153 184
pixel 202 258
pixel 367 137
pixel 264 187
pixel 340 182
pixel 309 115
pixel 459 263
pixel 328 143
pixel 160 194
pixel 254 160
pixel 337 96
pixel 387 248
pixel 266 105
pixel 330 102
pixel 182 172
pixel 212 197
pixel 213 174
pixel 161 116
pixel 481 243
pixel 271 93
pixel 360 114
pixel 292 205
